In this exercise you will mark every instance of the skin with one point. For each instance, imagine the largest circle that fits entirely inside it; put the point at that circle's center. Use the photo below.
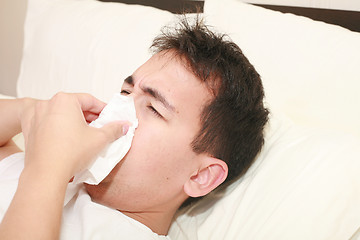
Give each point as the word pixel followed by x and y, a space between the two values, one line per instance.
pixel 159 172
pixel 52 157
pixel 161 161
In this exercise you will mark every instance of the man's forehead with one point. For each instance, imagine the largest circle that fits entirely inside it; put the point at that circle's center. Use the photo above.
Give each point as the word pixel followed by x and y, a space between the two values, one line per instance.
pixel 169 73
pixel 161 67
pixel 180 64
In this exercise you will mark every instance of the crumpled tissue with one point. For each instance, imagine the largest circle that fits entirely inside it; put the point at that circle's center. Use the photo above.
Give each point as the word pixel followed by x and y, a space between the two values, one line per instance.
pixel 119 108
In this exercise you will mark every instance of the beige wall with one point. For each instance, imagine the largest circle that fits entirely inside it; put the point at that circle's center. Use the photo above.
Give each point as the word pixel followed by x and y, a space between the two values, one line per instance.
pixel 12 15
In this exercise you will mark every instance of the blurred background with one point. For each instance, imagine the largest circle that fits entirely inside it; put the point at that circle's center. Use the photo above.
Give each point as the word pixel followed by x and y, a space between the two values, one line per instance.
pixel 12 17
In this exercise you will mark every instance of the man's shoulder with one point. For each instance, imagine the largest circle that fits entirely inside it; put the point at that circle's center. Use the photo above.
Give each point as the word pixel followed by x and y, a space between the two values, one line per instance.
pixel 10 170
pixel 11 165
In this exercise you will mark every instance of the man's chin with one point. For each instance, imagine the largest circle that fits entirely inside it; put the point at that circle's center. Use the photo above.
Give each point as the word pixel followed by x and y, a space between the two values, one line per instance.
pixel 99 194
pixel 94 191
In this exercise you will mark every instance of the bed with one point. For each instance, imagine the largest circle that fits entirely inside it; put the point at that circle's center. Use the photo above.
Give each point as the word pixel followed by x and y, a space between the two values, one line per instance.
pixel 304 184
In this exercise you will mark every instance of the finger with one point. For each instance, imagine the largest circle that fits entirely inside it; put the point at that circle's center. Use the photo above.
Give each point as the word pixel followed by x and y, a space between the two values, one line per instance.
pixel 89 116
pixel 114 130
pixel 89 103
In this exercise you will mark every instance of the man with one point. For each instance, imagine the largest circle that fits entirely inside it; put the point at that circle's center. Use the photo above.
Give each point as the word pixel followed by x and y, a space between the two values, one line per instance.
pixel 199 103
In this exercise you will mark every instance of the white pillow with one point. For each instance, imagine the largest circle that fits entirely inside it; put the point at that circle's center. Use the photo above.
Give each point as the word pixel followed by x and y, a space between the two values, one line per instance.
pixel 304 185
pixel 2 96
pixel 85 45
pixel 310 69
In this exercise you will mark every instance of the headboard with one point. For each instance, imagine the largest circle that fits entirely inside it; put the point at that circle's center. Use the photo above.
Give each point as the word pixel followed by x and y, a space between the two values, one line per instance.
pixel 347 19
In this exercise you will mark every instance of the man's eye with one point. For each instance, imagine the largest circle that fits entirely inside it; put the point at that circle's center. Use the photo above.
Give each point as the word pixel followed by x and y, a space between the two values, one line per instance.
pixel 154 111
pixel 124 92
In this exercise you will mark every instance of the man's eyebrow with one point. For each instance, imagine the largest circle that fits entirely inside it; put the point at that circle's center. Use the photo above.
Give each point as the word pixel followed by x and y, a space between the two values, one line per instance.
pixel 153 92
pixel 158 96
pixel 129 80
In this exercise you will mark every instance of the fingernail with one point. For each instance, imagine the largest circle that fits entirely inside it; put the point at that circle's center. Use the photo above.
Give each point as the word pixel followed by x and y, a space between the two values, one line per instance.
pixel 125 129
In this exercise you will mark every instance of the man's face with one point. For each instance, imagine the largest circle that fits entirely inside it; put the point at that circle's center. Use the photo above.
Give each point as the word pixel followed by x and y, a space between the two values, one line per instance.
pixel 168 100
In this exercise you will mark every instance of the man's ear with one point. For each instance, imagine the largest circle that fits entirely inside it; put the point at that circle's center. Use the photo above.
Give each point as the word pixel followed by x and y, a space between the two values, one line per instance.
pixel 211 174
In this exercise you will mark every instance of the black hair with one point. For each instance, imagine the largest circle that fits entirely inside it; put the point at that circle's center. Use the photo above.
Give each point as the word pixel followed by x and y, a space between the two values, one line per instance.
pixel 232 124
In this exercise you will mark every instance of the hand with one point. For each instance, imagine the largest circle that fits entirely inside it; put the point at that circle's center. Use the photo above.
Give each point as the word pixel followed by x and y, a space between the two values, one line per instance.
pixel 59 143
pixel 58 138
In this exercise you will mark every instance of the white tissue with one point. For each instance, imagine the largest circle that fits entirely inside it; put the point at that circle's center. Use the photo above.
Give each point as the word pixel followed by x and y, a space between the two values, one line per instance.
pixel 119 108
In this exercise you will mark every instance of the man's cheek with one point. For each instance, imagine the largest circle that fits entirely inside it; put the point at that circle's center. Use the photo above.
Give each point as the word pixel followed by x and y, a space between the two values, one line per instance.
pixel 150 130
pixel 146 140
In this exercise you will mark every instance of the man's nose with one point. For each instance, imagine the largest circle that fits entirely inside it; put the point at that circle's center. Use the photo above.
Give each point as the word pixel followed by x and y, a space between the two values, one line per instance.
pixel 137 103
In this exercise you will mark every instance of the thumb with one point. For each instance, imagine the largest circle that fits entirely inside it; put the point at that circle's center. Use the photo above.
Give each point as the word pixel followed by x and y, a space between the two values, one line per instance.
pixel 115 130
